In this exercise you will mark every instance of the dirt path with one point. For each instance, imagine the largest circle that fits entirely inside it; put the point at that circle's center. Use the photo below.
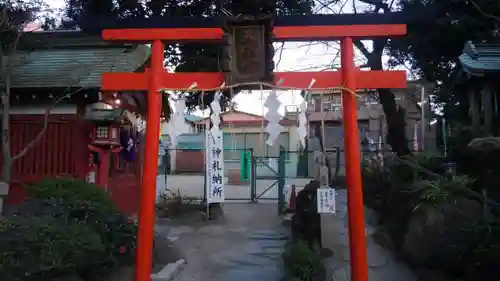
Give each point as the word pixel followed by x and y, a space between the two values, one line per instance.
pixel 245 245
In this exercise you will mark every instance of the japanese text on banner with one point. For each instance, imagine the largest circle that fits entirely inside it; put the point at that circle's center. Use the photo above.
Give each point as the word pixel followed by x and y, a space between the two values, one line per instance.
pixel 215 167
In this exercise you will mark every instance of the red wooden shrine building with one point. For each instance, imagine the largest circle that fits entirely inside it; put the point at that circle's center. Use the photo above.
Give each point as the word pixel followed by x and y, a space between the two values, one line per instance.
pixel 50 65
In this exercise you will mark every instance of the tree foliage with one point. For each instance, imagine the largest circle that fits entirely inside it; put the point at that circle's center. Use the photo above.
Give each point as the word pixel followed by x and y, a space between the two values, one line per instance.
pixel 14 15
pixel 188 57
pixel 432 48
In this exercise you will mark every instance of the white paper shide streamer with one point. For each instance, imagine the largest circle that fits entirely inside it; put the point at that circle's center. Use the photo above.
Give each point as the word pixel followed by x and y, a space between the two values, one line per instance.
pixel 178 120
pixel 215 155
pixel 302 126
pixel 273 128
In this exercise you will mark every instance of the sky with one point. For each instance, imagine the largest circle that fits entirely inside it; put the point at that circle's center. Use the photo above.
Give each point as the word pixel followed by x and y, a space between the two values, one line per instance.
pixel 292 56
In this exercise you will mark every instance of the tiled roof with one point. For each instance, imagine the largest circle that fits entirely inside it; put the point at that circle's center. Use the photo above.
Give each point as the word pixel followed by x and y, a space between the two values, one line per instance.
pixel 192 118
pixel 73 62
pixel 479 59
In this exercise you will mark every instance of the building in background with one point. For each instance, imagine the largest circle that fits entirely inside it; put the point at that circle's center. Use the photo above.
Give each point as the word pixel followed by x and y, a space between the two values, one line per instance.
pixel 48 66
pixel 242 132
pixel 325 108
pixel 185 137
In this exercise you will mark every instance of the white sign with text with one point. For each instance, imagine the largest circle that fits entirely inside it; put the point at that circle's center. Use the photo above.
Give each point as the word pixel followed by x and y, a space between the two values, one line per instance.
pixel 215 167
pixel 326 200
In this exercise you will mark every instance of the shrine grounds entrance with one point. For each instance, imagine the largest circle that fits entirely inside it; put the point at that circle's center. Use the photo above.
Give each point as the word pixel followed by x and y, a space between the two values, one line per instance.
pixel 248 178
pixel 187 173
pixel 348 80
pixel 267 169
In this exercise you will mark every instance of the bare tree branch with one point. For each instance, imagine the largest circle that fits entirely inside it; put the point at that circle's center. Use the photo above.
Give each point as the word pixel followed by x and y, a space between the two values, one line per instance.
pixel 362 48
pixel 40 135
pixel 474 3
pixel 281 49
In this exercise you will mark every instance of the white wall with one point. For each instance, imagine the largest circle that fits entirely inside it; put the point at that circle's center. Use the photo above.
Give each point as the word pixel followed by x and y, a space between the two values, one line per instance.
pixel 167 128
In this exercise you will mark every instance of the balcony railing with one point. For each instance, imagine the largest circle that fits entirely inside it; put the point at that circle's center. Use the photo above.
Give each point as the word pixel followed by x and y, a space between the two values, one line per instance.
pixel 333 105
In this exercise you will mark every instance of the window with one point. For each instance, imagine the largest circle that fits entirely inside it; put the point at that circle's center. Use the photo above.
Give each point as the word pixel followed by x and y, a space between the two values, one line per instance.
pixel 364 127
pixel 200 128
pixel 371 99
pixel 334 104
pixel 233 145
pixel 237 142
pixel 256 141
pixel 334 131
pixel 274 151
pixel 317 104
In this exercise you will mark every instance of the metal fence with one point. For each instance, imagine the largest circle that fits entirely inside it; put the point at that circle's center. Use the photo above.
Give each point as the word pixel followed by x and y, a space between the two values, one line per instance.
pixel 192 161
pixel 298 164
pixel 247 177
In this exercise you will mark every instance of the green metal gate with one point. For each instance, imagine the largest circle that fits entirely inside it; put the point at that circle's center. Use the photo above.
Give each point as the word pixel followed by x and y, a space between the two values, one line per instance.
pixel 277 176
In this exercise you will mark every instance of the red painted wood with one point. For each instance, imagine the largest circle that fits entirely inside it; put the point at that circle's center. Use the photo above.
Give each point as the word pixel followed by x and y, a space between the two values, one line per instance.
pixel 50 136
pixel 164 34
pixel 336 32
pixel 281 33
pixel 40 161
pixel 349 78
pixel 62 152
pixel 118 81
pixel 124 190
pixel 145 233
pixel 355 207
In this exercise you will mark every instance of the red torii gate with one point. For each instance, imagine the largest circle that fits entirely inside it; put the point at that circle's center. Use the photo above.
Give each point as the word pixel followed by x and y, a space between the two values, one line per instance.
pixel 349 78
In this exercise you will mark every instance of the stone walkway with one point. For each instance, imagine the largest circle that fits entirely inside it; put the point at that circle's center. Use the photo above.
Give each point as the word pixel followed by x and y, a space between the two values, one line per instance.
pixel 383 265
pixel 244 246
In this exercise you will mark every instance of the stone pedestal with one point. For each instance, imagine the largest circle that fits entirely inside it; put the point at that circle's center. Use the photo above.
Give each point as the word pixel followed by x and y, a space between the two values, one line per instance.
pixel 330 225
pixel 334 236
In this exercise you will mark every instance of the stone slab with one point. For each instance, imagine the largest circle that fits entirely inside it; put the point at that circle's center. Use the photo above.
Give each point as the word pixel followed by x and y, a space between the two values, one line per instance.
pixel 169 271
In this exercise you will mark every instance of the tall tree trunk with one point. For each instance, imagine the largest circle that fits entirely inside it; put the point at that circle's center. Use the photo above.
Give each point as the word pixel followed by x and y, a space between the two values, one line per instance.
pixel 395 116
pixel 6 153
pixel 7 156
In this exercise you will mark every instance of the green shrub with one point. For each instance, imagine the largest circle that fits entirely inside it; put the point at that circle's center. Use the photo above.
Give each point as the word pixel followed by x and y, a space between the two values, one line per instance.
pixel 301 261
pixel 173 204
pixel 73 193
pixel 42 248
pixel 80 202
pixel 484 261
pixel 440 191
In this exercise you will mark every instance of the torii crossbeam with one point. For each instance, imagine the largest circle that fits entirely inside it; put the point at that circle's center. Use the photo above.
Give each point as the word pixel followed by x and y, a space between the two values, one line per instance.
pixel 349 77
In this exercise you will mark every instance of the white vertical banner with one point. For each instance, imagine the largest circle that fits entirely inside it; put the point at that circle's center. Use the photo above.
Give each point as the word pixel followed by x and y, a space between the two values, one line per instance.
pixel 215 167
pixel 326 200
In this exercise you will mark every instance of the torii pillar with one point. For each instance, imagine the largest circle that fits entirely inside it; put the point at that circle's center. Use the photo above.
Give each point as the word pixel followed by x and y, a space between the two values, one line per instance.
pixel 349 78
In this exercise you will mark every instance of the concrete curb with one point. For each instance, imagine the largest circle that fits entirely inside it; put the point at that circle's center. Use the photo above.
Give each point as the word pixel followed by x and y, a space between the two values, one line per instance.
pixel 169 271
